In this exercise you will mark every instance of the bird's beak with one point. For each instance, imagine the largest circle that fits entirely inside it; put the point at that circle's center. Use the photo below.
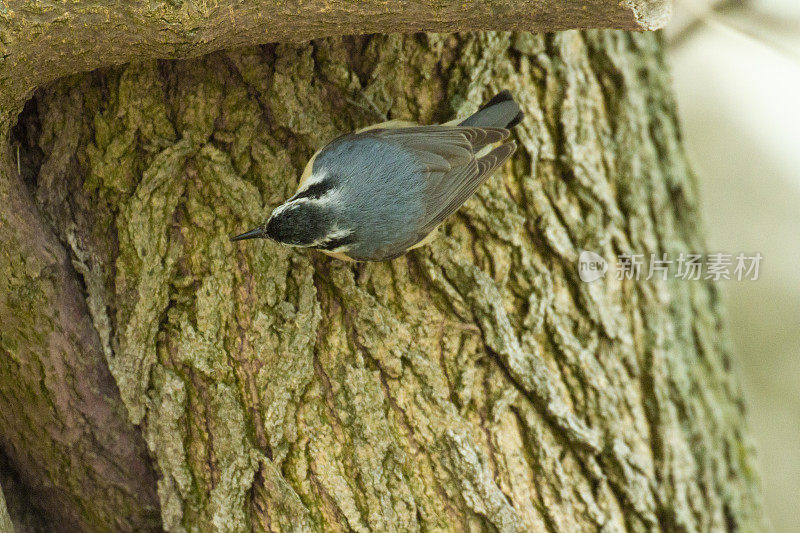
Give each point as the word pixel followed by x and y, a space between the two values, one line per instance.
pixel 252 234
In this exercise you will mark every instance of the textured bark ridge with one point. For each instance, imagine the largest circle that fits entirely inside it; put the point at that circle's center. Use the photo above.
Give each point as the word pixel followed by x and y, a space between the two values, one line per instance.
pixel 475 384
pixel 63 427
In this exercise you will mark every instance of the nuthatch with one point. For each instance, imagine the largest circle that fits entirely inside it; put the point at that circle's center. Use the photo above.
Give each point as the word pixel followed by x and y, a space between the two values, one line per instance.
pixel 374 194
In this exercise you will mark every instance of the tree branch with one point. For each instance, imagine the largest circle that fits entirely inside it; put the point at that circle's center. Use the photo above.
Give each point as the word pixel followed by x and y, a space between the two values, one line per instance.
pixel 42 41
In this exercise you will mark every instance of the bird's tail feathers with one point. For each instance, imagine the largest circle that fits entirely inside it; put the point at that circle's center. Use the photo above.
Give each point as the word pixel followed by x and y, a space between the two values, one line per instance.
pixel 499 112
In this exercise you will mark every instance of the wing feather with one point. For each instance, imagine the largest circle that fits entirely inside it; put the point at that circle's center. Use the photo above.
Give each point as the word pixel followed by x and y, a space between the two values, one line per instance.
pixel 451 190
pixel 442 148
pixel 456 189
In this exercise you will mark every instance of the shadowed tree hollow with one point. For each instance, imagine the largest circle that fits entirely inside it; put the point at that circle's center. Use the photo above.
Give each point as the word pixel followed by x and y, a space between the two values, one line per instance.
pixel 155 375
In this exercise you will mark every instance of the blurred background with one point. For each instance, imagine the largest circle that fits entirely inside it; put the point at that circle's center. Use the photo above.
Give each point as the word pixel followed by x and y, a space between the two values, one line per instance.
pixel 736 69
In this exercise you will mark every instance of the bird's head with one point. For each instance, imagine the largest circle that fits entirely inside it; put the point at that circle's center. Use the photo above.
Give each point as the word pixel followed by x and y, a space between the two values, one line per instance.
pixel 296 223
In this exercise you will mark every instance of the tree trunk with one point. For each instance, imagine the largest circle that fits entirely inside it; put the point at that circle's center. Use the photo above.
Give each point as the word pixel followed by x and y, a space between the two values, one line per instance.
pixel 474 384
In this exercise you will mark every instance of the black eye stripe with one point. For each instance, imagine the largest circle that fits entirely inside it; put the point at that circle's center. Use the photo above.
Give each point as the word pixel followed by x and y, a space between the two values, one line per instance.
pixel 315 191
pixel 336 242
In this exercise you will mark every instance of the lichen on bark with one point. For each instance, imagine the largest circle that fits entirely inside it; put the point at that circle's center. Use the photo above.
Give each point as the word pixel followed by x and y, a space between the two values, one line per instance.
pixel 475 384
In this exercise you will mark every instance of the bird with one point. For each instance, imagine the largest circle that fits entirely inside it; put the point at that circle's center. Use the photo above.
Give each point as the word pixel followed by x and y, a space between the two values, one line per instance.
pixel 380 191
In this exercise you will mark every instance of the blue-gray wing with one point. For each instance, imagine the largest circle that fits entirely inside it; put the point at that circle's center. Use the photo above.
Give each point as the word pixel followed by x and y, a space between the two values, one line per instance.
pixel 453 172
pixel 463 184
pixel 441 148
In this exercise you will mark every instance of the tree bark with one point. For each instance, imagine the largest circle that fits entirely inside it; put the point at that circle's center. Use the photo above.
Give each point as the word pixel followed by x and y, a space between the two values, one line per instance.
pixel 5 520
pixel 474 384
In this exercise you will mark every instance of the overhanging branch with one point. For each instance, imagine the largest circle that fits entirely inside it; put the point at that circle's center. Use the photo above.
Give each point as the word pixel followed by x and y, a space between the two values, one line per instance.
pixel 42 41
